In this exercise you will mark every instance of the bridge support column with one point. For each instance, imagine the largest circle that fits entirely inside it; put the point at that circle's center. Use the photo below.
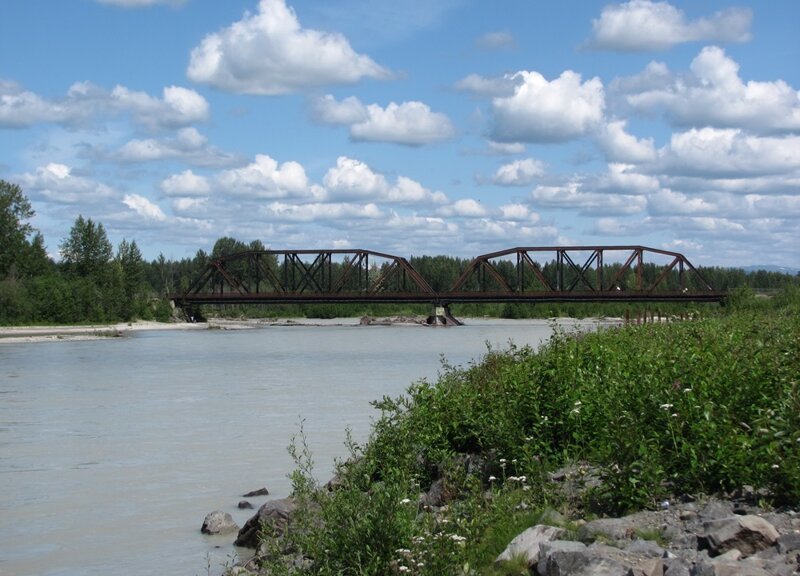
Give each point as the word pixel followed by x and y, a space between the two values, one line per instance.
pixel 442 317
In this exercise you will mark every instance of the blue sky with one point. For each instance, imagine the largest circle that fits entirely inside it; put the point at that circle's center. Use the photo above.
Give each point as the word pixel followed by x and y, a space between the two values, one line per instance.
pixel 409 126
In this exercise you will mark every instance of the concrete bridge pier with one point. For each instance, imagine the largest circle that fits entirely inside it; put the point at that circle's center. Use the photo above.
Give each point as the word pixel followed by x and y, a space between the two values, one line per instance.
pixel 442 317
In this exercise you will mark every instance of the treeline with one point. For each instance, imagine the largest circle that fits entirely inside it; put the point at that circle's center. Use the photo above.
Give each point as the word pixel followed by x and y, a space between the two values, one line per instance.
pixel 94 282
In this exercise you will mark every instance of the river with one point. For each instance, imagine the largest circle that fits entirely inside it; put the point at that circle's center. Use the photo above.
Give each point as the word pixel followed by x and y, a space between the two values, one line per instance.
pixel 112 451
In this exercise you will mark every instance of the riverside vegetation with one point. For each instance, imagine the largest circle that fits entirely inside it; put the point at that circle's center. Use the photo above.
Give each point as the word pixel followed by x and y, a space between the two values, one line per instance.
pixel 453 470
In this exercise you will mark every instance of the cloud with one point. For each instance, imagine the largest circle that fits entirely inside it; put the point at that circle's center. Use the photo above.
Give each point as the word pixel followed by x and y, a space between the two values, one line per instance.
pixel 713 94
pixel 623 178
pixel 55 183
pixel 144 207
pixel 352 179
pixel 84 101
pixel 187 183
pixel 264 178
pixel 409 123
pixel 489 87
pixel 619 146
pixel 321 212
pixel 642 25
pixel 190 206
pixel 542 111
pixel 728 153
pixel 465 208
pixel 408 191
pixel 496 40
pixel 519 172
pixel 188 145
pixel 327 110
pixel 573 196
pixel 269 53
pixel 518 213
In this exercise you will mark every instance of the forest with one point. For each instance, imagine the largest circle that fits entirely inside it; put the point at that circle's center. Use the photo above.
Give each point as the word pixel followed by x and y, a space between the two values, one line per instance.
pixel 92 282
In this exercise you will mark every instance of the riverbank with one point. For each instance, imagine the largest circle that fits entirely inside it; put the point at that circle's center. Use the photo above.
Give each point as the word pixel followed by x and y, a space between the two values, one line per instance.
pixel 644 418
pixel 17 334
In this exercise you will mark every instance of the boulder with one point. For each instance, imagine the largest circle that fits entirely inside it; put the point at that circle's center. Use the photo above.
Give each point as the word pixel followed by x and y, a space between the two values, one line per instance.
pixel 273 517
pixel 528 543
pixel 259 492
pixel 244 505
pixel 218 522
pixel 748 534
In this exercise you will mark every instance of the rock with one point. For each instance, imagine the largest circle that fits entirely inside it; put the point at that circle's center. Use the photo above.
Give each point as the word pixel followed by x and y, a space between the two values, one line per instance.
pixel 528 543
pixel 273 516
pixel 748 534
pixel 218 522
pixel 560 557
pixel 789 542
pixel 244 505
pixel 259 492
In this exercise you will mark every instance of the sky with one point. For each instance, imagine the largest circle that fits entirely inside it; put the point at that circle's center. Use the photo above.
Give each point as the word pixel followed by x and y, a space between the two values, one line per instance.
pixel 413 127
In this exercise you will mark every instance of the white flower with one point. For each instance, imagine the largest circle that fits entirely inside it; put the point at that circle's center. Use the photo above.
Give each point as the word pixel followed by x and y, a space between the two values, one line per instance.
pixel 457 538
pixel 666 406
pixel 775 466
pixel 405 501
pixel 493 478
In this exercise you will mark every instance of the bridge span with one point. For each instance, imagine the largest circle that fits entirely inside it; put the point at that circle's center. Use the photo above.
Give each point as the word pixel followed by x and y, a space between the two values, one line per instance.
pixel 531 274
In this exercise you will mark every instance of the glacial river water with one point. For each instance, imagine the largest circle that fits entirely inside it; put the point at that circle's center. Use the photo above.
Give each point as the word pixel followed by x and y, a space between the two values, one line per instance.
pixel 112 451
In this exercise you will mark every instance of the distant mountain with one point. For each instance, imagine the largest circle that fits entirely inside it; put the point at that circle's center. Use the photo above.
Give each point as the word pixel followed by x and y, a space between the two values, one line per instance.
pixel 770 268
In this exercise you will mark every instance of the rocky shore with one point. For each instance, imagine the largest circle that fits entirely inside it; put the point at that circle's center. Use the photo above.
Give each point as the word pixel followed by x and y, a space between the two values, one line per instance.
pixel 734 534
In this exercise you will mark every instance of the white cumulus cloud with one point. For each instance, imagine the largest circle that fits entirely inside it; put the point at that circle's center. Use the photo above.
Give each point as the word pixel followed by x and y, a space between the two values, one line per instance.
pixel 641 25
pixel 187 183
pixel 549 111
pixel 265 178
pixel 270 53
pixel 56 183
pixel 713 94
pixel 620 146
pixel 84 101
pixel 144 207
pixel 410 123
pixel 519 172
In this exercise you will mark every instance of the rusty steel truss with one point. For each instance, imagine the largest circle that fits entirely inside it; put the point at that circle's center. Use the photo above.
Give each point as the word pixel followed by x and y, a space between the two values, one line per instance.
pixel 534 274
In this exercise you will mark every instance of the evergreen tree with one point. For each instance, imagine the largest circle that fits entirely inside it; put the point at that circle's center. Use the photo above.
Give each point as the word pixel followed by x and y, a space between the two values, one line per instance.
pixel 87 251
pixel 15 211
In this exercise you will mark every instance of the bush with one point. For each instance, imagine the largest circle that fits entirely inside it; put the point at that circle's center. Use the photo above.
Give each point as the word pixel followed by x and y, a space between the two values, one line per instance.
pixel 659 409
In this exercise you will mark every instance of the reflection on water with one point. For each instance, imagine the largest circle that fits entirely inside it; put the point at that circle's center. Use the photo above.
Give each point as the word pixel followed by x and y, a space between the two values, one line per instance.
pixel 112 451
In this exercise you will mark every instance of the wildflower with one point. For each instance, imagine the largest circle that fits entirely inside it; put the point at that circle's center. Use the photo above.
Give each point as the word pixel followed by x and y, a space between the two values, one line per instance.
pixel 404 569
pixel 503 460
pixel 457 538
pixel 674 415
pixel 405 501
pixel 493 478
pixel 666 406
pixel 775 466
pixel 687 390
pixel 578 403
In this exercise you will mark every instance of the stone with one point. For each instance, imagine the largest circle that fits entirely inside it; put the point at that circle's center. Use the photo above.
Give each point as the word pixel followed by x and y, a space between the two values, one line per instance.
pixel 788 542
pixel 254 493
pixel 528 543
pixel 748 534
pixel 218 522
pixel 244 505
pixel 274 516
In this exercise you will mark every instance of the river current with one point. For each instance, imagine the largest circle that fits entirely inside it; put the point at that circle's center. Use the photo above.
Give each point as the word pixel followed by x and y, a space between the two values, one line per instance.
pixel 112 451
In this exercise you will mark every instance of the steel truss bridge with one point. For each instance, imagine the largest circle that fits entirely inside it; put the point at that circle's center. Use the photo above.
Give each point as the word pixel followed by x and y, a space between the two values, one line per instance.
pixel 533 274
